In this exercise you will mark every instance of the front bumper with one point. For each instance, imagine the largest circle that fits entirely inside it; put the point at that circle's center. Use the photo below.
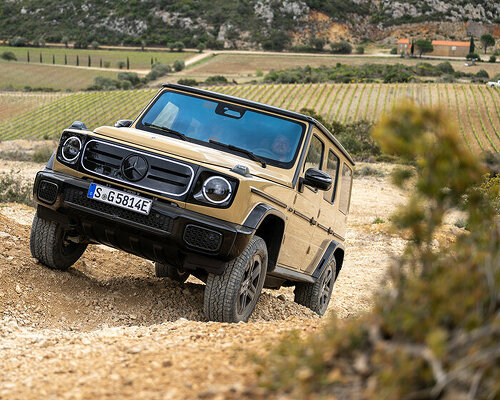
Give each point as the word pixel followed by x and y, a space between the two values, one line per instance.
pixel 169 234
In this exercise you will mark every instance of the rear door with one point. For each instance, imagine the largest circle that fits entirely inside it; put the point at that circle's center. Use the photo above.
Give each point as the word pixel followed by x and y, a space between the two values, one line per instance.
pixel 299 250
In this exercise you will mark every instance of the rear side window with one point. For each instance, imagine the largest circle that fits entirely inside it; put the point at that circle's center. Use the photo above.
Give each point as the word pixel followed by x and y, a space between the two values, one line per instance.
pixel 345 189
pixel 314 157
pixel 332 168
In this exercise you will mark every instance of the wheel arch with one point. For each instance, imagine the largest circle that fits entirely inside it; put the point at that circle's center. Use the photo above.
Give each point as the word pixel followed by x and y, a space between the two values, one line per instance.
pixel 269 224
pixel 334 249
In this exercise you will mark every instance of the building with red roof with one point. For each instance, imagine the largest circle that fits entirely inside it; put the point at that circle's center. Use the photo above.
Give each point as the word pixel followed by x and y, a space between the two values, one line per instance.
pixel 445 48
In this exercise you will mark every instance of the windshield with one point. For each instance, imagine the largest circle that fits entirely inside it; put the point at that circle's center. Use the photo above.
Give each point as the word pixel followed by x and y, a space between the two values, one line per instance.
pixel 213 122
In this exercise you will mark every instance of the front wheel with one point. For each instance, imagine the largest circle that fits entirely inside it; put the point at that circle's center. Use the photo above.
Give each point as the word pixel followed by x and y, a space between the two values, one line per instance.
pixel 50 245
pixel 316 296
pixel 232 296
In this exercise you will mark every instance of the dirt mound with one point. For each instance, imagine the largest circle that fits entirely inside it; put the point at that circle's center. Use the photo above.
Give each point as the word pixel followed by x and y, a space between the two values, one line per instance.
pixel 105 288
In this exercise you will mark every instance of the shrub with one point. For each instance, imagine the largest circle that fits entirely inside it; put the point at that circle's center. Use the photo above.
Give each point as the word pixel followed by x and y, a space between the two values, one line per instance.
pixel 94 44
pixel 18 41
pixel 200 47
pixel 434 327
pixel 394 50
pixel 179 46
pixel 157 71
pixel 103 83
pixel 8 55
pixel 446 79
pixel 492 59
pixel 378 220
pixel 472 56
pixel 360 50
pixel 341 47
pixel 120 64
pixel 179 65
pixel 368 170
pixel 132 77
pixel 42 154
pixel 15 190
pixel 445 67
pixel 106 64
pixel 482 74
pixel 355 136
pixel 188 82
pixel 216 80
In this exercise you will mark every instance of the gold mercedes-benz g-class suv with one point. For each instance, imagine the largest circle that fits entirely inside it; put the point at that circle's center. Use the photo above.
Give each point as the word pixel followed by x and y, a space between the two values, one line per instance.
pixel 240 194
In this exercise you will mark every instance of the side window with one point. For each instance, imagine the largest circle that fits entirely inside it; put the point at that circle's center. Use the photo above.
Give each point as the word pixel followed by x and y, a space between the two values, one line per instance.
pixel 314 157
pixel 345 189
pixel 332 168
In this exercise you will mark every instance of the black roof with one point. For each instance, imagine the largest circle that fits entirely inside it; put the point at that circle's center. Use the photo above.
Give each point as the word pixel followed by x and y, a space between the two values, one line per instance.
pixel 264 107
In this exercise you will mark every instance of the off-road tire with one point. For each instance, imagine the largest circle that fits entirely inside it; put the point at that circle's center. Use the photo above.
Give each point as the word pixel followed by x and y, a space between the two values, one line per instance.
pixel 315 295
pixel 48 245
pixel 224 297
pixel 171 272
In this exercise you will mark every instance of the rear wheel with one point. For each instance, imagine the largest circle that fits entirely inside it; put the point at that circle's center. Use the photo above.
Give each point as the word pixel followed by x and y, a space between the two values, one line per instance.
pixel 169 271
pixel 50 244
pixel 232 296
pixel 316 296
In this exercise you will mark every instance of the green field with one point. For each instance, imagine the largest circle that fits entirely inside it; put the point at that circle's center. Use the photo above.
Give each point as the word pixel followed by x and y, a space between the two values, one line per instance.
pixel 475 108
pixel 19 75
pixel 138 59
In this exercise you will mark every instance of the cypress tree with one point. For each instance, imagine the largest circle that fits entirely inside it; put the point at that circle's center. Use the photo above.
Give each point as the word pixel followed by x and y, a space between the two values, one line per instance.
pixel 53 59
pixel 28 56
pixel 128 63
pixel 151 60
pixel 100 63
pixel 65 59
pixel 77 60
pixel 472 46
pixel 90 62
pixel 41 60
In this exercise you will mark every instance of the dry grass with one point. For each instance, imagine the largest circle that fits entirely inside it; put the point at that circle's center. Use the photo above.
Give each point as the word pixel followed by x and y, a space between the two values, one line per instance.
pixel 243 64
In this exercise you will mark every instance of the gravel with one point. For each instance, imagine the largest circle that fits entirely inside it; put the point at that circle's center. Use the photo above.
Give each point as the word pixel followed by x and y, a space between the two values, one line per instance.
pixel 109 328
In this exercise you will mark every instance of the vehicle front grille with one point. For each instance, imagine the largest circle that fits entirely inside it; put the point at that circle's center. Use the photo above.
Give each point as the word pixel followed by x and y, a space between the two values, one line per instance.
pixel 154 219
pixel 202 238
pixel 161 175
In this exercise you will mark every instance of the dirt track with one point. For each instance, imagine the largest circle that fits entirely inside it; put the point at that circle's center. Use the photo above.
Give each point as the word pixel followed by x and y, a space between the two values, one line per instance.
pixel 108 327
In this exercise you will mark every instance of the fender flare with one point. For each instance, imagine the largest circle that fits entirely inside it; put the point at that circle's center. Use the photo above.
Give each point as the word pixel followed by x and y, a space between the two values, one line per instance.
pixel 327 256
pixel 257 215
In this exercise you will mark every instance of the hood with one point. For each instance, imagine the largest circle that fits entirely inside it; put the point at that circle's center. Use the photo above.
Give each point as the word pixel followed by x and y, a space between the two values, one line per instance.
pixel 194 152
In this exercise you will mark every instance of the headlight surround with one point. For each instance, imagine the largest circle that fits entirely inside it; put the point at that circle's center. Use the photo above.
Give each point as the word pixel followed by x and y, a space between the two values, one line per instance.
pixel 216 189
pixel 71 148
pixel 213 189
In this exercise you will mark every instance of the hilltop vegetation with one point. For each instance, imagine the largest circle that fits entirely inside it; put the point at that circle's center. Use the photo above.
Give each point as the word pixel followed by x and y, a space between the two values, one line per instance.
pixel 371 73
pixel 269 24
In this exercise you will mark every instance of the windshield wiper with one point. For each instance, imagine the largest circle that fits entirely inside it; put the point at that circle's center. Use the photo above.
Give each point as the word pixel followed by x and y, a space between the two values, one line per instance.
pixel 168 130
pixel 251 155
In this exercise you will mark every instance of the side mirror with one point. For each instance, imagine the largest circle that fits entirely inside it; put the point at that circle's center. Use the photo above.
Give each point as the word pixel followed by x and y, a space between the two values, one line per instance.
pixel 79 125
pixel 123 123
pixel 316 179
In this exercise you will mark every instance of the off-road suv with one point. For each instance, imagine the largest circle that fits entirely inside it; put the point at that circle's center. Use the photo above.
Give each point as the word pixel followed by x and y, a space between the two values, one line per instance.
pixel 239 194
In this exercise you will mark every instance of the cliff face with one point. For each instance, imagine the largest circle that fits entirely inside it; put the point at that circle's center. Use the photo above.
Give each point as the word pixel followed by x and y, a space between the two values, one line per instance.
pixel 250 23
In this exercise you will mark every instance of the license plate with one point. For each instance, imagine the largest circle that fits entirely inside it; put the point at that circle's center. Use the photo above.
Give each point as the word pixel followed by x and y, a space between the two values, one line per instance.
pixel 119 198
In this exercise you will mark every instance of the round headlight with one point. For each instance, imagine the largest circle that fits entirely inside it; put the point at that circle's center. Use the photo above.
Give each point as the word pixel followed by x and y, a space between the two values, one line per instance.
pixel 216 189
pixel 71 149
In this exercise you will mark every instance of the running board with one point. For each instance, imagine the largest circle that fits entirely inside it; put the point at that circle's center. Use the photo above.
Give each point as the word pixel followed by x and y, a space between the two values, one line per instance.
pixel 291 275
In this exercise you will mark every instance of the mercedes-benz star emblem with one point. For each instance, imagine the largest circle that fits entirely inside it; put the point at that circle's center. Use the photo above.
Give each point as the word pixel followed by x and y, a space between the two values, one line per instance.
pixel 134 168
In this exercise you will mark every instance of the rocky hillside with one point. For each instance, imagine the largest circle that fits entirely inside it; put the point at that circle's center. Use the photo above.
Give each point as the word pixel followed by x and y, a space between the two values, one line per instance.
pixel 270 24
